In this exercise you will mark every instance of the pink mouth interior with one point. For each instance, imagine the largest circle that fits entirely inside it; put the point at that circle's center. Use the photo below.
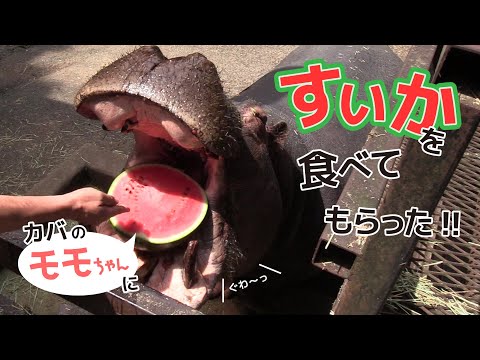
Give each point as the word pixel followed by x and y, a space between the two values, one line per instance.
pixel 160 137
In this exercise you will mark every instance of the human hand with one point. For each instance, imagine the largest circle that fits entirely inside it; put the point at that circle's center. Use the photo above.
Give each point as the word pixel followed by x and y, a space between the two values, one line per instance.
pixel 90 206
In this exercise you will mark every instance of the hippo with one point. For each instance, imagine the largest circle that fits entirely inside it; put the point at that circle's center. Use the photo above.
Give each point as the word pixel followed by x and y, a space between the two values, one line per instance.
pixel 244 159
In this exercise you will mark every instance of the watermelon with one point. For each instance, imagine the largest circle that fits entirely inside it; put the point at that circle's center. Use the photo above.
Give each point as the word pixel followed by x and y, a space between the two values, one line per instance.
pixel 165 204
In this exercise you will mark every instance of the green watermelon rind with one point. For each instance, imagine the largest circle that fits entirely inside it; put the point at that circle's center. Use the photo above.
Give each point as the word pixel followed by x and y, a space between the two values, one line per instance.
pixel 172 238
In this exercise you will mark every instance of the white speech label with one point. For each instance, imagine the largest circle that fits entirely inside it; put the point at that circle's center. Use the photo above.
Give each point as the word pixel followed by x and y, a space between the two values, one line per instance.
pixel 90 265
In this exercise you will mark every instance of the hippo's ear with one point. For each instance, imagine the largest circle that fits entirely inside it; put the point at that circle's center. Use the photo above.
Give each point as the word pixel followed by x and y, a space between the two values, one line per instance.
pixel 278 132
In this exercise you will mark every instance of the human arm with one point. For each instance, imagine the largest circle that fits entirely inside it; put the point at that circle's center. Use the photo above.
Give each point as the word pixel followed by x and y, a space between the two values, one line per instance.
pixel 87 206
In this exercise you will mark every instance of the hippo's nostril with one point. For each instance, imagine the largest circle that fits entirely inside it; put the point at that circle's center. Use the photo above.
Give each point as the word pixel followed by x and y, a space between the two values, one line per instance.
pixel 127 125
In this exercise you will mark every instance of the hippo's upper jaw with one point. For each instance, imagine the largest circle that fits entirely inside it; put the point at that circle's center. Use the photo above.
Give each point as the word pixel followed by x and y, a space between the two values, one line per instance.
pixel 188 87
pixel 180 116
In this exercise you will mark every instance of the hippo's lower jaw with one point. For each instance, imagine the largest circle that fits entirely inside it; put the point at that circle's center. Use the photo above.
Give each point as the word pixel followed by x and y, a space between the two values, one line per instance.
pixel 189 274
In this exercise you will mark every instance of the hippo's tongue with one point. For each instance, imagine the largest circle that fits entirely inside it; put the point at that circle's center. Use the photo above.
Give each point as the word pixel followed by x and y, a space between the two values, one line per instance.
pixel 189 87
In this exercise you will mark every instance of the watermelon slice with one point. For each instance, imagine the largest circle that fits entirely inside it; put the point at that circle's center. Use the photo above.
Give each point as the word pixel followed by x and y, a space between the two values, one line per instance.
pixel 165 204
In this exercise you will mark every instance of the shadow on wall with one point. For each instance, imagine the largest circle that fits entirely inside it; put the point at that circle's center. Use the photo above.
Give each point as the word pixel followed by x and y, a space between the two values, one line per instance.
pixel 37 131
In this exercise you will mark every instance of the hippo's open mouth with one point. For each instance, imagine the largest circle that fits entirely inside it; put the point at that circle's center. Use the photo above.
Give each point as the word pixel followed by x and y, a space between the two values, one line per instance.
pixel 179 115
pixel 188 273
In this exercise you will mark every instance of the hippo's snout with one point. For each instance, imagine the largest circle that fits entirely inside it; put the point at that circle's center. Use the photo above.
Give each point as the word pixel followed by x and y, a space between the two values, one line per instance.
pixel 189 87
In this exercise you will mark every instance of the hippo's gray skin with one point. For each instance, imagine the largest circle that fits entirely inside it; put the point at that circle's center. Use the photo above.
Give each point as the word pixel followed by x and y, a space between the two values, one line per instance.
pixel 179 115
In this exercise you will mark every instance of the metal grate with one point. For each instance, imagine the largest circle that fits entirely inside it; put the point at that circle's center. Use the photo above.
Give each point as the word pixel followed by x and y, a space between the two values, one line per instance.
pixel 446 270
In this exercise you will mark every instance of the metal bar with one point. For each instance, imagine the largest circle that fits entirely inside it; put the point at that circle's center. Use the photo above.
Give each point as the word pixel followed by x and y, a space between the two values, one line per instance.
pixel 422 182
pixel 341 252
pixel 471 48
pixel 443 56
pixel 147 302
pixel 72 309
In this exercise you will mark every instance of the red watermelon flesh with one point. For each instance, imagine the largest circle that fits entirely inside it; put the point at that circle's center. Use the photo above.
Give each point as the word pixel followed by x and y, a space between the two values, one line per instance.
pixel 165 204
